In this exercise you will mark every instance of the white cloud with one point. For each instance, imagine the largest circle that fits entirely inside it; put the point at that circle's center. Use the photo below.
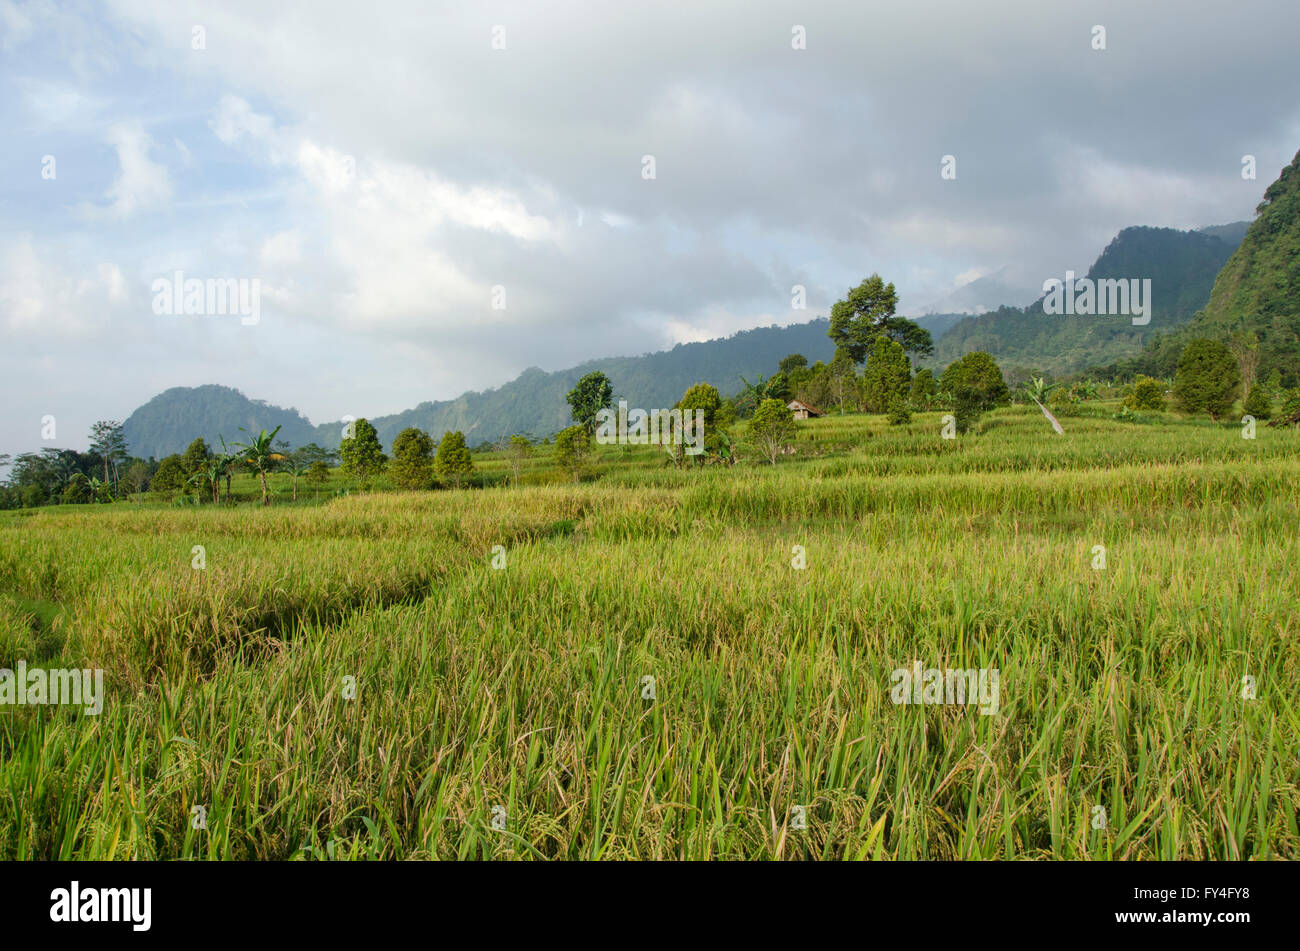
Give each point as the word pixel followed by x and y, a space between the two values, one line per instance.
pixel 142 183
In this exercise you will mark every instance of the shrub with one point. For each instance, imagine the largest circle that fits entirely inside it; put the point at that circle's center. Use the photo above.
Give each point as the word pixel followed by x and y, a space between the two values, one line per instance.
pixel 1147 394
pixel 1257 403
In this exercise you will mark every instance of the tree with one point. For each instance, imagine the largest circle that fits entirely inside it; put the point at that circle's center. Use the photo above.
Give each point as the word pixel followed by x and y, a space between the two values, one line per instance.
pixel 518 450
pixel 363 456
pixel 412 465
pixel 1147 394
pixel 1257 403
pixel 196 457
pixel 778 388
pixel 318 473
pixel 257 454
pixel 974 384
pixel 171 474
pixel 899 411
pixel 311 453
pixel 705 398
pixel 572 446
pixel 771 429
pixel 888 375
pixel 137 477
pixel 925 389
pixel 792 363
pixel 211 475
pixel 295 463
pixel 841 380
pixel 593 393
pixel 1245 350
pixel 1207 378
pixel 77 491
pixel 453 460
pixel 866 313
pixel 108 441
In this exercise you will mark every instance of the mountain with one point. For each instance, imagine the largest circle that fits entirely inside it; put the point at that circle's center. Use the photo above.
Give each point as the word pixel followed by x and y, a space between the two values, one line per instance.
pixel 1181 266
pixel 174 418
pixel 1009 286
pixel 939 324
pixel 531 403
pixel 1257 292
pixel 1231 233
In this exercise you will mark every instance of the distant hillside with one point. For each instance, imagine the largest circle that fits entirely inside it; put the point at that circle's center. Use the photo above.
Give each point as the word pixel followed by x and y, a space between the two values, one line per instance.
pixel 531 403
pixel 175 417
pixel 1181 265
pixel 1009 286
pixel 939 324
pixel 1258 290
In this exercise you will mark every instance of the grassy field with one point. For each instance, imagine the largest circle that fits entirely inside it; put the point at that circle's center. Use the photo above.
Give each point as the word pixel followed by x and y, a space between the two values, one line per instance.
pixel 515 694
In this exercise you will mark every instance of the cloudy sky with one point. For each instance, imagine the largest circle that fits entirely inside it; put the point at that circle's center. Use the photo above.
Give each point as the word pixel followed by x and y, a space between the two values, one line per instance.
pixel 388 171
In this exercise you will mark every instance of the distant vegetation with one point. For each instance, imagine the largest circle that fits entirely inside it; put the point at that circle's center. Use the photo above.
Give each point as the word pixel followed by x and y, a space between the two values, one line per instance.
pixel 1181 265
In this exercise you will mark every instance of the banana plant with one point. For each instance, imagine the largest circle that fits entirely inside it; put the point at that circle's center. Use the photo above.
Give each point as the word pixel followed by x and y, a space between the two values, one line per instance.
pixel 258 454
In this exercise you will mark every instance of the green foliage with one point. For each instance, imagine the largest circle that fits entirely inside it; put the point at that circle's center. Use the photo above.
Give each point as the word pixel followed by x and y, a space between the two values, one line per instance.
pixel 792 363
pixel 318 473
pixel 412 464
pixel 1258 290
pixel 1147 394
pixel 572 446
pixel 259 454
pixel 687 576
pixel 171 474
pixel 363 457
pixel 195 458
pixel 771 429
pixel 866 312
pixel 974 385
pixel 925 389
pixel 1208 378
pixel 77 491
pixel 703 396
pixel 108 442
pixel 518 451
pixel 593 393
pixel 1181 266
pixel 453 461
pixel 900 411
pixel 887 376
pixel 1257 403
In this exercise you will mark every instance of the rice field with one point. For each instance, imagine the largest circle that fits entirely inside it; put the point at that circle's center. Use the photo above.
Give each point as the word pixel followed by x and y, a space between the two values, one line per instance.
pixel 666 664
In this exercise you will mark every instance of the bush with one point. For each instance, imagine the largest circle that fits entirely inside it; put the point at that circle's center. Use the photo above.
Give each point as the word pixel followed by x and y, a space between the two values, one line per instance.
pixel 1257 403
pixel 900 411
pixel 1147 394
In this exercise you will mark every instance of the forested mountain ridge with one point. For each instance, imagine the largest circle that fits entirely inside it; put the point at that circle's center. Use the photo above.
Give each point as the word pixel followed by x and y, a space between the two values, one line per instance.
pixel 1256 296
pixel 1181 266
pixel 531 403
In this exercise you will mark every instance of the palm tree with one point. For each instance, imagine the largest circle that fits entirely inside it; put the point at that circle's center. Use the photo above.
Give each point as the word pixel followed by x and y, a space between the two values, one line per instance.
pixel 258 454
